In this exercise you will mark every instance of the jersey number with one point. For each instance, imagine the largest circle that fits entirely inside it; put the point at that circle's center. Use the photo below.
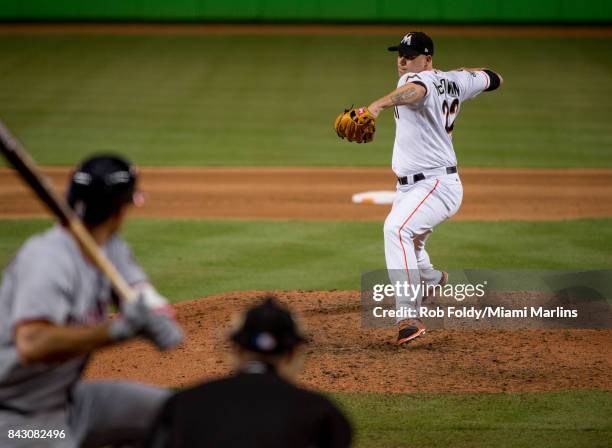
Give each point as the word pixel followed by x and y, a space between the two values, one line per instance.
pixel 450 112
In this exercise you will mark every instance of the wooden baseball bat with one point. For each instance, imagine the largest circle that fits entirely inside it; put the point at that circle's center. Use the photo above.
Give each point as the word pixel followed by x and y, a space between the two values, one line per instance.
pixel 19 158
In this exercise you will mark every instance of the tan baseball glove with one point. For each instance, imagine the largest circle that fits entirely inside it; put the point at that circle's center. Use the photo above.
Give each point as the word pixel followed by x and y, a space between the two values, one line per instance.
pixel 356 125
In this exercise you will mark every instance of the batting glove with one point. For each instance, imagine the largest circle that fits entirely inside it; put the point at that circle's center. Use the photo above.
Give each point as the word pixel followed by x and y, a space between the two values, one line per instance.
pixel 139 318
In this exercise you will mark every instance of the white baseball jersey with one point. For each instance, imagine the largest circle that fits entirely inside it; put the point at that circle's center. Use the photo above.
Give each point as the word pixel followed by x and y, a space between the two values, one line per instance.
pixel 423 135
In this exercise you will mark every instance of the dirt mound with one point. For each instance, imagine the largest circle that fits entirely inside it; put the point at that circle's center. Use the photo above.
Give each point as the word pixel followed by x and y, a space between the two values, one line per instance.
pixel 343 356
pixel 303 29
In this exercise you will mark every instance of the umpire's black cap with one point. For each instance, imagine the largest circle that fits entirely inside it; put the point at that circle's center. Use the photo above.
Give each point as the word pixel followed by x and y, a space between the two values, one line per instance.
pixel 100 186
pixel 268 328
pixel 414 44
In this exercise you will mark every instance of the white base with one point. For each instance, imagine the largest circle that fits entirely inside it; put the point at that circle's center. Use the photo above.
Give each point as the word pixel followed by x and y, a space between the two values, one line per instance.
pixel 374 197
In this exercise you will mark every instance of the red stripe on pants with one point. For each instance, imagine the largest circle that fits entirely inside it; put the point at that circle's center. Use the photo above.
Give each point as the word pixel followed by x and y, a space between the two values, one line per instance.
pixel 408 219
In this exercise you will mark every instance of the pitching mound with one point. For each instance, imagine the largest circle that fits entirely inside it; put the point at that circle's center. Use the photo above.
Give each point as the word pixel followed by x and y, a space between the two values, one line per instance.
pixel 345 357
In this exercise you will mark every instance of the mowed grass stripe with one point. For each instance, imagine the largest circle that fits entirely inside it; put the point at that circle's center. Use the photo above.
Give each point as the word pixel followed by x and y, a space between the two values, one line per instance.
pixel 552 419
pixel 271 100
pixel 191 258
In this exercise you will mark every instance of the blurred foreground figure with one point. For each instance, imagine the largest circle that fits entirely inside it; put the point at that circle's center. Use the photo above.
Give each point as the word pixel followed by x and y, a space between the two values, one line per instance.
pixel 54 313
pixel 258 406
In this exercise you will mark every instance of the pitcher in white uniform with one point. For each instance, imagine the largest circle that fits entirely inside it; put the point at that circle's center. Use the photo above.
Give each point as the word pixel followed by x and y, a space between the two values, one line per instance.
pixel 429 191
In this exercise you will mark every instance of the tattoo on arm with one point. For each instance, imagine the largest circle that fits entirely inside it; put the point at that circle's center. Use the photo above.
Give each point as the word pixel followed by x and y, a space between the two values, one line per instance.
pixel 404 97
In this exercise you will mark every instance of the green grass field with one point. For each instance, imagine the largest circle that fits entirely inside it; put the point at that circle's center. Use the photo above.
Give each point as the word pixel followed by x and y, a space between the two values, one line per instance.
pixel 189 258
pixel 559 419
pixel 271 100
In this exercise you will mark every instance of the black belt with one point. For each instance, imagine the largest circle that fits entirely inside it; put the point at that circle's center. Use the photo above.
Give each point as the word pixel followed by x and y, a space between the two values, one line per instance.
pixel 420 176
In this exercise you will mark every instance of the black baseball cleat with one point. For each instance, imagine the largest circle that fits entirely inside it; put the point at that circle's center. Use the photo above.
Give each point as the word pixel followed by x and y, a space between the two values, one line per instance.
pixel 409 329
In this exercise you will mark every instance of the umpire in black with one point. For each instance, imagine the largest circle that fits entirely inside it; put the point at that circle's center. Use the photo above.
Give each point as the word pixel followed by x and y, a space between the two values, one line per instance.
pixel 257 406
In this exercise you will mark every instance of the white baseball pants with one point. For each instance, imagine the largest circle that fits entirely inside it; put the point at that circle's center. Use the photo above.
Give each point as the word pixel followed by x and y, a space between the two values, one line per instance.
pixel 417 209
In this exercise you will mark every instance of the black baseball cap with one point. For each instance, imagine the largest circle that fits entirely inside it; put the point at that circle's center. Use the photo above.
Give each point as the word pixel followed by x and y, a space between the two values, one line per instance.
pixel 268 328
pixel 414 44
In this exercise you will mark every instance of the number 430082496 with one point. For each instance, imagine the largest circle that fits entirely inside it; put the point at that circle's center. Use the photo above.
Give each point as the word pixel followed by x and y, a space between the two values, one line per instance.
pixel 450 112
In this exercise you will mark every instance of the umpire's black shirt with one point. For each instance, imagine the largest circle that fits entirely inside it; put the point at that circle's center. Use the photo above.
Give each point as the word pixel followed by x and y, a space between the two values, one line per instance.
pixel 255 408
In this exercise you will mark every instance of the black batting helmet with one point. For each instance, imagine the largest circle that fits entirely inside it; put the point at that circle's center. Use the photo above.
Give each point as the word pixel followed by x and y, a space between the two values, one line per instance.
pixel 100 186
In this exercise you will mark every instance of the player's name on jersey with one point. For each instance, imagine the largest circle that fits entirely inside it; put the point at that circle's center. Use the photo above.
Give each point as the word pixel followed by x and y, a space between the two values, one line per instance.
pixel 450 87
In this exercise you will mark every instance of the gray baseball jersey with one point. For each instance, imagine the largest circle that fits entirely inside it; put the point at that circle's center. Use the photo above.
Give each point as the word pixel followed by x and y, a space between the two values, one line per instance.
pixel 50 280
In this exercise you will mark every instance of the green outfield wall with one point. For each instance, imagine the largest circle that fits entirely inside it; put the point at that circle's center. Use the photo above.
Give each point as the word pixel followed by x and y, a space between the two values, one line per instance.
pixel 450 11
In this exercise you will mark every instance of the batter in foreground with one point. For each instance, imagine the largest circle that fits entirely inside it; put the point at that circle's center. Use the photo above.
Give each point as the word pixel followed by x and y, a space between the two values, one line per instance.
pixel 429 191
pixel 54 306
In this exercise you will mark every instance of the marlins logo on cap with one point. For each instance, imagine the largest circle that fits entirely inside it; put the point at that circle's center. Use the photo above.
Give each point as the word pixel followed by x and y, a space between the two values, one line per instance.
pixel 414 44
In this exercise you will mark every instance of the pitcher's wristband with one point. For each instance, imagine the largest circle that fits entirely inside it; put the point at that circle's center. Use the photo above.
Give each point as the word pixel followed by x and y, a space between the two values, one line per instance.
pixel 494 80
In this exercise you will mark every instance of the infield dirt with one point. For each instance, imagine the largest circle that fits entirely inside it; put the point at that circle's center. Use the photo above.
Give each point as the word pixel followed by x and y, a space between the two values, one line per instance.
pixel 343 356
pixel 325 193
pixel 304 29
